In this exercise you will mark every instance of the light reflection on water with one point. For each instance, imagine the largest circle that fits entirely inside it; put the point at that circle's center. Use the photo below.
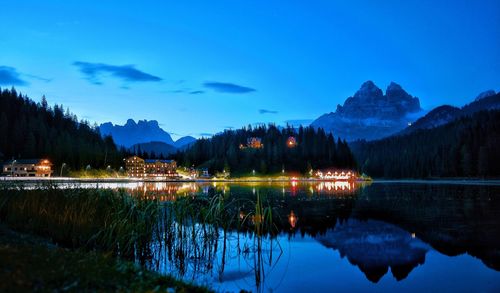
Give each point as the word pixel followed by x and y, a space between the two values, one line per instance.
pixel 344 237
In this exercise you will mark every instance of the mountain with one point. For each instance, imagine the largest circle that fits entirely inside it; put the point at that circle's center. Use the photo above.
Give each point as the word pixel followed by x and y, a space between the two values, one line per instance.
pixel 485 94
pixel 143 131
pixel 132 133
pixel 154 147
pixel 370 114
pixel 184 142
pixel 441 115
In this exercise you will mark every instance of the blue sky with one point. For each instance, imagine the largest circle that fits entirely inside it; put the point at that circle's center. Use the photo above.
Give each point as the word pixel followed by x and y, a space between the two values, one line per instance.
pixel 202 66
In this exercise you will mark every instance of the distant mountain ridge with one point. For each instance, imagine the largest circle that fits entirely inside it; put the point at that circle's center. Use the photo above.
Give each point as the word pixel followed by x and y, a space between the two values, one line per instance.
pixel 143 131
pixel 153 148
pixel 370 114
pixel 441 115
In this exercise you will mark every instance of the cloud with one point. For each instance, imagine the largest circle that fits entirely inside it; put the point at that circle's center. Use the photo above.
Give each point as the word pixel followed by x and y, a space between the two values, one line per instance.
pixel 205 134
pixel 38 77
pixel 298 122
pixel 10 76
pixel 225 87
pixel 128 73
pixel 196 92
pixel 265 111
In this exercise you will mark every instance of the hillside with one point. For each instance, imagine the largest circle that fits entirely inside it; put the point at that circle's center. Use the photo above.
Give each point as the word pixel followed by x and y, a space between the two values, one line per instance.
pixel 467 147
pixel 445 114
pixel 35 130
pixel 274 149
pixel 153 149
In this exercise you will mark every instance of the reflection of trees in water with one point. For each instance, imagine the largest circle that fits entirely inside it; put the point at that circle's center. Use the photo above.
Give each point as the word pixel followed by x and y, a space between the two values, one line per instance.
pixel 453 219
pixel 197 236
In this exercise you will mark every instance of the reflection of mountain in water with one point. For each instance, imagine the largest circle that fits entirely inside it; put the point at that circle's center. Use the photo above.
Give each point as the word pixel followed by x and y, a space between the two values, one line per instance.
pixel 453 219
pixel 376 246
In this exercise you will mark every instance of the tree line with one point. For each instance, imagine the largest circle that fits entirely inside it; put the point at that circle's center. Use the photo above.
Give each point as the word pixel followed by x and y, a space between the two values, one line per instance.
pixel 36 130
pixel 314 149
pixel 466 147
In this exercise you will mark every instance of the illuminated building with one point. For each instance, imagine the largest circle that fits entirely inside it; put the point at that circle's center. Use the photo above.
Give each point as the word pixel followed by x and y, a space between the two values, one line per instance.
pixel 254 143
pixel 291 142
pixel 140 168
pixel 135 167
pixel 336 175
pixel 160 168
pixel 28 168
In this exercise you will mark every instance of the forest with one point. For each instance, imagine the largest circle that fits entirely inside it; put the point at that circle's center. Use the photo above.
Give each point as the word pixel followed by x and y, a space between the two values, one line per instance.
pixel 311 149
pixel 35 130
pixel 466 147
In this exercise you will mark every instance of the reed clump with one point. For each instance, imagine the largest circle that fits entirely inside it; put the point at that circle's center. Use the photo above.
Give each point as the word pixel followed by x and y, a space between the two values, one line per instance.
pixel 108 220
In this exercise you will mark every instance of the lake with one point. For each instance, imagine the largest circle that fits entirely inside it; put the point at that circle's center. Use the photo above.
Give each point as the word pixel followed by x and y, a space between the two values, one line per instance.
pixel 386 236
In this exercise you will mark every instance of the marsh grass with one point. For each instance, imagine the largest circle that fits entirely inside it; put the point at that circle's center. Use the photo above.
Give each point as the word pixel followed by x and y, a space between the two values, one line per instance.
pixel 101 219
pixel 188 233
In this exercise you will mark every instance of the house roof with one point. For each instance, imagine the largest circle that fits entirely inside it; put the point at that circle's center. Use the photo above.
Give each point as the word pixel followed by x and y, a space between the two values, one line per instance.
pixel 161 161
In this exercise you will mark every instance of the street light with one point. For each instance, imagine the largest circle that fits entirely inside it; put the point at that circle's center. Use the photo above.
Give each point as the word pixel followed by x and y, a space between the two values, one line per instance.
pixel 62 167
pixel 12 167
pixel 253 172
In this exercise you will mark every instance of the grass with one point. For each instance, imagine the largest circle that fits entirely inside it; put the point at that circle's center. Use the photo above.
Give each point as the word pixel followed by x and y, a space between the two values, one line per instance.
pixel 101 219
pixel 188 230
pixel 32 264
pixel 96 173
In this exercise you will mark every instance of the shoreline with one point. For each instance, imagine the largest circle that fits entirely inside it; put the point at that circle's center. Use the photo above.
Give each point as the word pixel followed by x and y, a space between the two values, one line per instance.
pixel 242 180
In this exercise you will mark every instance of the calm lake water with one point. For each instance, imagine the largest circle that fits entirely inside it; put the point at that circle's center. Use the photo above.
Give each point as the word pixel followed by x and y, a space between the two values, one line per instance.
pixel 386 236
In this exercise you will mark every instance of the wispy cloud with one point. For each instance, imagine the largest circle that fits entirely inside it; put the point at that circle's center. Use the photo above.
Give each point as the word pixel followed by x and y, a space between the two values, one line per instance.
pixel 265 111
pixel 205 134
pixel 10 76
pixel 196 92
pixel 38 77
pixel 128 73
pixel 226 87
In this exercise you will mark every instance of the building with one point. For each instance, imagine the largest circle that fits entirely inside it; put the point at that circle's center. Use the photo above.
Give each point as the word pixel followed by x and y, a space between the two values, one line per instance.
pixel 253 142
pixel 28 168
pixel 291 142
pixel 161 168
pixel 135 167
pixel 140 168
pixel 336 175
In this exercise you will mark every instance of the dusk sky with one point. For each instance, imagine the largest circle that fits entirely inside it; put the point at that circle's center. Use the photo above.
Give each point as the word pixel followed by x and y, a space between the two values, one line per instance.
pixel 201 66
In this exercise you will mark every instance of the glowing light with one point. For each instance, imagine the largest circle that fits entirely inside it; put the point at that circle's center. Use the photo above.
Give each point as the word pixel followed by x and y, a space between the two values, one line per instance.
pixel 292 219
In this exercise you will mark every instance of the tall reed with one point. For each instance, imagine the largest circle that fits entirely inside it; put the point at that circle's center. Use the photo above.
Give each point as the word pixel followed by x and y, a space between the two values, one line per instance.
pixel 102 219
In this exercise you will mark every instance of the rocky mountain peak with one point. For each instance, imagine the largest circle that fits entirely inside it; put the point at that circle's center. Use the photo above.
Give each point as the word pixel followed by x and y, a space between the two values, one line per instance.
pixel 368 90
pixel 371 114
pixel 153 124
pixel 130 122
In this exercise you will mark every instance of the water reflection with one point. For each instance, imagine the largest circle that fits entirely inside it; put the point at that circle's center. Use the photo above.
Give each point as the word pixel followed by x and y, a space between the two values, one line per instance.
pixel 326 229
pixel 375 247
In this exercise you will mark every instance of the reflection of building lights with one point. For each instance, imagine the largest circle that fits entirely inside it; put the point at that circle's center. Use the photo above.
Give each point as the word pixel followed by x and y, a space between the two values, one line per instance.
pixel 292 219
